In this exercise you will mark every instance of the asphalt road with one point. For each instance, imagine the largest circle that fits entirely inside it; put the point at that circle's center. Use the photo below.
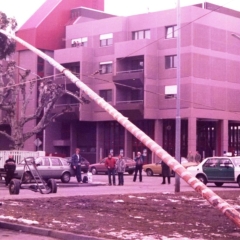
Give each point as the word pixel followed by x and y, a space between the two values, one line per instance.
pixel 99 186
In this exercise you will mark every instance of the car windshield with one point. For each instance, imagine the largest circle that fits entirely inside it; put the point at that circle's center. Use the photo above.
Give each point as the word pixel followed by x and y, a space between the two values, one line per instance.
pixel 236 161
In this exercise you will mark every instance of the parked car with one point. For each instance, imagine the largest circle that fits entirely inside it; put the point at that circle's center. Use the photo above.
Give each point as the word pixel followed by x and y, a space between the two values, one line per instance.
pixel 101 168
pixel 48 167
pixel 84 164
pixel 156 168
pixel 218 170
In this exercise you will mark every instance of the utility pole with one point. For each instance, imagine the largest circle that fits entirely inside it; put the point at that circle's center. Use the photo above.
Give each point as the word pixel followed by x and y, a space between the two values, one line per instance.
pixel 178 118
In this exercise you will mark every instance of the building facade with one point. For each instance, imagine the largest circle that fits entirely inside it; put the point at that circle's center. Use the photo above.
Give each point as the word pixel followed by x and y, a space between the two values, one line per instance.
pixel 131 63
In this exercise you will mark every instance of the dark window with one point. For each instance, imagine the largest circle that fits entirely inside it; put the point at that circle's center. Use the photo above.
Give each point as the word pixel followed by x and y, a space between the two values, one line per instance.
pixel 106 95
pixel 79 42
pixel 105 68
pixel 142 34
pixel 171 61
pixel 171 32
pixel 137 64
pixel 106 39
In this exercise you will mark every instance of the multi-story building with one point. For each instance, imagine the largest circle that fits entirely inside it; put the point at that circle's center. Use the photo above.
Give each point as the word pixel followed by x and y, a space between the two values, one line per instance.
pixel 131 63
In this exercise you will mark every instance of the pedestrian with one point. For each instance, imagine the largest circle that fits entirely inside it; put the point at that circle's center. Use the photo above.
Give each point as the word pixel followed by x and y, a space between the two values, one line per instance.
pixel 120 168
pixel 9 167
pixel 190 157
pixel 165 173
pixel 76 164
pixel 139 164
pixel 110 164
pixel 198 157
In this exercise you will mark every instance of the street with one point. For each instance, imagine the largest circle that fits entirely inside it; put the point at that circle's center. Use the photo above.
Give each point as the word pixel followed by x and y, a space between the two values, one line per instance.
pixel 100 187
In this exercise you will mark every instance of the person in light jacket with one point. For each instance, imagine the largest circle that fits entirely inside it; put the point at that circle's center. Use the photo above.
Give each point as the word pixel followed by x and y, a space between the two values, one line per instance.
pixel 120 168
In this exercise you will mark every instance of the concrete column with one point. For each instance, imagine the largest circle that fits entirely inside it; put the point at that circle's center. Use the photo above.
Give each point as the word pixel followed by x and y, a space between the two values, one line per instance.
pixel 128 144
pixel 192 134
pixel 224 136
pixel 73 138
pixel 99 143
pixel 158 137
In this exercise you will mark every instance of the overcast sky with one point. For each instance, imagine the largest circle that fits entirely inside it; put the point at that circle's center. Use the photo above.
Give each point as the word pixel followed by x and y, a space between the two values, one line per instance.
pixel 23 9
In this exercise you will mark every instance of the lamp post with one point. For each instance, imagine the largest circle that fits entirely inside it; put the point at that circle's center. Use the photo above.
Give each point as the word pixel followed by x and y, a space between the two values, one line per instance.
pixel 178 118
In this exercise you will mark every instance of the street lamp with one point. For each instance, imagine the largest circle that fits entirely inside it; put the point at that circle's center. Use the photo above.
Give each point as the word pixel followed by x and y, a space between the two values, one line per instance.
pixel 178 118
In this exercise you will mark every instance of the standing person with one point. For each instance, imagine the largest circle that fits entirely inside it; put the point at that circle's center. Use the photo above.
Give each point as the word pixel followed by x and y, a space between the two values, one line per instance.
pixel 110 164
pixel 139 164
pixel 198 157
pixel 165 173
pixel 76 164
pixel 120 168
pixel 9 167
pixel 190 157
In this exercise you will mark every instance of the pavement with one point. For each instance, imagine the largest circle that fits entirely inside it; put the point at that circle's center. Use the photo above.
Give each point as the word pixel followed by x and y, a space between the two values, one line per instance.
pixel 98 187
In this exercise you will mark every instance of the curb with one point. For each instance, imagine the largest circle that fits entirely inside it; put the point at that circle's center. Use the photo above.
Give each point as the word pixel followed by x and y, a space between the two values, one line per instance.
pixel 46 232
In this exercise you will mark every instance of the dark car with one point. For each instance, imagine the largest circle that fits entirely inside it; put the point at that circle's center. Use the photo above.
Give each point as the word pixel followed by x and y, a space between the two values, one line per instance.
pixel 84 164
pixel 101 168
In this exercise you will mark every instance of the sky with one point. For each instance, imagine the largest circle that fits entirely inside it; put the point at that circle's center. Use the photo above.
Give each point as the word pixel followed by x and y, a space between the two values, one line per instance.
pixel 23 9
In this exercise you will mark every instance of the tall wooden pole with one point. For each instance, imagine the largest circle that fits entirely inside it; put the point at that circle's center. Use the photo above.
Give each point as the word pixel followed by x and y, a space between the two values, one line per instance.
pixel 198 186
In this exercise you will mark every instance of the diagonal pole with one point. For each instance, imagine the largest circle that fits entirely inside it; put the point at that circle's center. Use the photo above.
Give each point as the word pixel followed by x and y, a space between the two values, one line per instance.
pixel 217 202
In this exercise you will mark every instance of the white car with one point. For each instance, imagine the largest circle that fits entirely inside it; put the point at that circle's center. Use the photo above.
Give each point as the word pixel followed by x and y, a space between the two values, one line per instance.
pixel 48 167
pixel 218 170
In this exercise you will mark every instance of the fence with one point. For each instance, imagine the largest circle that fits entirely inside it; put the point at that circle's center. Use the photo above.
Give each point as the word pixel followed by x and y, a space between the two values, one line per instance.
pixel 18 156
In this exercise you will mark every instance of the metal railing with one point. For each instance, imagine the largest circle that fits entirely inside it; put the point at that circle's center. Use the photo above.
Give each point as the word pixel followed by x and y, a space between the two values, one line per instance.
pixel 130 101
pixel 18 156
pixel 130 71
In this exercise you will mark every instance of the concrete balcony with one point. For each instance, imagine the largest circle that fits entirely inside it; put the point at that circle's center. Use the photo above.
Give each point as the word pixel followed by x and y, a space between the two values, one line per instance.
pixel 71 114
pixel 133 78
pixel 133 109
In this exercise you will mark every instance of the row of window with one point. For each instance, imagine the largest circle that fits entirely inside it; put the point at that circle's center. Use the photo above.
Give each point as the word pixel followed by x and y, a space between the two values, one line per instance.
pixel 170 62
pixel 107 39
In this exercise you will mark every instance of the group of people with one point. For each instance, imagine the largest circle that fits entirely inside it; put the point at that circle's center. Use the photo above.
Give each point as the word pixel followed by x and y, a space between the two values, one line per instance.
pixel 118 165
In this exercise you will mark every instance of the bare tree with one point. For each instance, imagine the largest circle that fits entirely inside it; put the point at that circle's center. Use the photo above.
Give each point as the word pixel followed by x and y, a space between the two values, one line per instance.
pixel 15 96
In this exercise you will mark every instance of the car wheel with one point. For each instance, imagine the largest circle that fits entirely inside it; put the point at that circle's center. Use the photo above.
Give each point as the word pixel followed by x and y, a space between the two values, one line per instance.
pixel 14 187
pixel 27 177
pixel 130 172
pixel 202 179
pixel 65 178
pixel 94 171
pixel 149 172
pixel 51 183
pixel 218 184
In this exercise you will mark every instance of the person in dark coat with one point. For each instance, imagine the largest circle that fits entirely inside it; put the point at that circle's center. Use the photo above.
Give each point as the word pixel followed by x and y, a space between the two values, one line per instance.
pixel 139 164
pixel 110 164
pixel 165 173
pixel 9 167
pixel 76 164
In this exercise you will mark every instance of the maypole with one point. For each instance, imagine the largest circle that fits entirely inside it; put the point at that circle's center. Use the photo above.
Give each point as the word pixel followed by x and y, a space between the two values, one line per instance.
pixel 217 202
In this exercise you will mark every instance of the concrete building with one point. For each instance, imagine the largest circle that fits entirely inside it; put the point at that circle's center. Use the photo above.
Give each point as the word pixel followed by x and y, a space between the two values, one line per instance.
pixel 131 63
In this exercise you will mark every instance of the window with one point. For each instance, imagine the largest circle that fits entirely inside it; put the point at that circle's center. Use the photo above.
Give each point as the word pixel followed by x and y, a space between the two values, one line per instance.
pixel 171 61
pixel 105 67
pixel 106 39
pixel 137 64
pixel 106 95
pixel 78 42
pixel 143 34
pixel 171 31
